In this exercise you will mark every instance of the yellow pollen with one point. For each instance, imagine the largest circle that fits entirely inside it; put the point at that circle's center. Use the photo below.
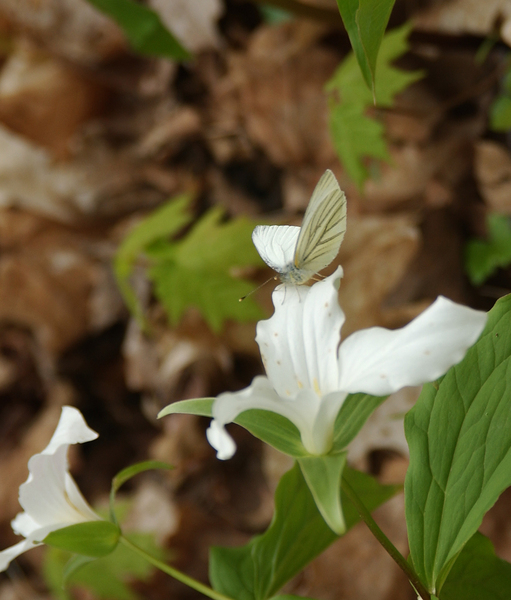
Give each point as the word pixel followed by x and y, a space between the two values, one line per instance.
pixel 316 387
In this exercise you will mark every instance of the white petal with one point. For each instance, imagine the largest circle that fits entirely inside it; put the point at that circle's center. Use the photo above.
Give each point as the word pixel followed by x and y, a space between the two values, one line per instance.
pixel 301 410
pixel 50 495
pixel 276 244
pixel 9 554
pixel 221 441
pixel 379 361
pixel 299 342
pixel 71 429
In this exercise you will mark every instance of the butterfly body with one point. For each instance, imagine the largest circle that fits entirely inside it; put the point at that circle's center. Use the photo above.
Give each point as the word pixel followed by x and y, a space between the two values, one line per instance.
pixel 298 253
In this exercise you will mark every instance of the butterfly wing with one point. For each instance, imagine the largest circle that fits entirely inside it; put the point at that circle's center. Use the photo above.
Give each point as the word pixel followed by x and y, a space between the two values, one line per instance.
pixel 324 226
pixel 276 245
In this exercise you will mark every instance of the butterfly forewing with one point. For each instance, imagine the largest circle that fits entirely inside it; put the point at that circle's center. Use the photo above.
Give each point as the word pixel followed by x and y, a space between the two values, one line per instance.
pixel 324 226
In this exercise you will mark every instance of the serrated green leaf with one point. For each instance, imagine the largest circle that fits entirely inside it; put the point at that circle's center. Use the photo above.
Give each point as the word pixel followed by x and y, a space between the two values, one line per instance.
pixel 478 574
pixel 200 272
pixel 323 475
pixel 296 535
pixel 143 28
pixel 459 434
pixel 365 22
pixel 355 411
pixel 196 271
pixel 92 538
pixel 215 294
pixel 356 135
pixel 483 258
pixel 166 221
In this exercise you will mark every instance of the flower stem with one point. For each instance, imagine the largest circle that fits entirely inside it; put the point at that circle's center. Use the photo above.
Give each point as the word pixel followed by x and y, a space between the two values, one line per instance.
pixel 189 581
pixel 365 515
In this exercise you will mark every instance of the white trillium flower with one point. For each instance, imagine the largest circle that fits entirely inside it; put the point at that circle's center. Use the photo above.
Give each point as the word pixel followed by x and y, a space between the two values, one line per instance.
pixel 50 498
pixel 309 373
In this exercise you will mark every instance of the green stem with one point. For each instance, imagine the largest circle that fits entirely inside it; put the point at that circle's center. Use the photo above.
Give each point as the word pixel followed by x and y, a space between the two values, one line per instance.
pixel 365 515
pixel 189 581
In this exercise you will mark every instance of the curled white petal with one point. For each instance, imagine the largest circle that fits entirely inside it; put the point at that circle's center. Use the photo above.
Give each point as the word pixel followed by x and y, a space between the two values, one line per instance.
pixel 50 497
pixel 9 554
pixel 379 361
pixel 221 441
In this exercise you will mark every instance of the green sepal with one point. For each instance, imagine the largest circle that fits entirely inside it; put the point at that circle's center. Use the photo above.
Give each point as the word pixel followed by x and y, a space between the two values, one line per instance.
pixel 92 538
pixel 355 411
pixel 323 475
pixel 198 406
pixel 127 474
pixel 270 427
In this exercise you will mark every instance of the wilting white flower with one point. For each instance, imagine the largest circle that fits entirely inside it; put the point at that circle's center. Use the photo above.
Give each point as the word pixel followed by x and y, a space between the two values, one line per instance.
pixel 309 375
pixel 50 498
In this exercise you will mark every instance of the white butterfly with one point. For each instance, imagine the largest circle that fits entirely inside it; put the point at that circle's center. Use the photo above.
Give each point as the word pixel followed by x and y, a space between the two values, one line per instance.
pixel 298 253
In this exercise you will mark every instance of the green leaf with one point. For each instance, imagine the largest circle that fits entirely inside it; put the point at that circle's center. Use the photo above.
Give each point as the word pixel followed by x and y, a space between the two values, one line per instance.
pixel 356 135
pixel 355 411
pixel 197 270
pixel 365 22
pixel 459 434
pixel 478 574
pixel 323 475
pixel 92 538
pixel 129 472
pixel 200 272
pixel 143 28
pixel 163 222
pixel 483 258
pixel 296 535
pixel 106 577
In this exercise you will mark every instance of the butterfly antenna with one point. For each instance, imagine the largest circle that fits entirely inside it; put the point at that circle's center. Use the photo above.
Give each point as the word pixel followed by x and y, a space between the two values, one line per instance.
pixel 257 288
